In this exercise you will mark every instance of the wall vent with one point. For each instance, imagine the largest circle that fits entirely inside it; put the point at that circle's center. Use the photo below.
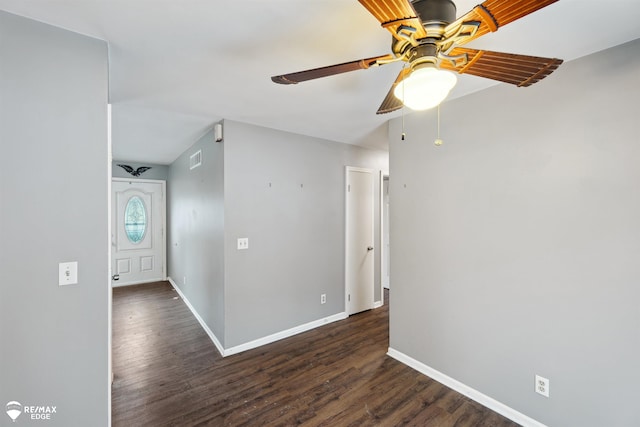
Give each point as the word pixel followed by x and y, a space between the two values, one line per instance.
pixel 195 160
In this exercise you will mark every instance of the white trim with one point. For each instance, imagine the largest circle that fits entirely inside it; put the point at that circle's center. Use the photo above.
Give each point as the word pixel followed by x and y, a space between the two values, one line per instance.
pixel 260 341
pixel 208 331
pixel 383 174
pixel 464 389
pixel 284 334
pixel 378 304
pixel 137 282
pixel 134 179
pixel 109 288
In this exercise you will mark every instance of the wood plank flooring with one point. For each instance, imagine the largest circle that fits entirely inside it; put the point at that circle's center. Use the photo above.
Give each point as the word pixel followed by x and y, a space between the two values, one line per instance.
pixel 168 373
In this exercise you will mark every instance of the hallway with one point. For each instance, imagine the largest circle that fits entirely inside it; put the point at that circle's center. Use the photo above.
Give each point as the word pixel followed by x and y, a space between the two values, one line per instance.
pixel 167 372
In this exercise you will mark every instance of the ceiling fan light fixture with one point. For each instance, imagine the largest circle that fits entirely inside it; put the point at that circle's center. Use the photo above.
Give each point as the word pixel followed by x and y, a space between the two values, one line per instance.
pixel 426 87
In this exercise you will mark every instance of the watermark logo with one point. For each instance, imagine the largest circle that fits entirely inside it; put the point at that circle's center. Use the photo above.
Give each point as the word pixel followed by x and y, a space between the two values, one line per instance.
pixel 33 412
pixel 14 409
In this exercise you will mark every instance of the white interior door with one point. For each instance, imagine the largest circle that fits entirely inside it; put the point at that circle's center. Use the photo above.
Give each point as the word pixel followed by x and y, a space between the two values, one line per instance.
pixel 137 231
pixel 359 249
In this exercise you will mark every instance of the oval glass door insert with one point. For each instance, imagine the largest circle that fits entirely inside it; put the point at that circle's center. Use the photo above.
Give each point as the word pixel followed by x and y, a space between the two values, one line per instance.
pixel 135 220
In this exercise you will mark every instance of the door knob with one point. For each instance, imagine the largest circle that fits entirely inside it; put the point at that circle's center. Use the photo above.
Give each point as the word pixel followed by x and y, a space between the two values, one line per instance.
pixel 115 277
pixel 370 248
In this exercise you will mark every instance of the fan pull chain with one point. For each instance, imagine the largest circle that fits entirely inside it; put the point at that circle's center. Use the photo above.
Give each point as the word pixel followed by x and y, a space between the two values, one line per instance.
pixel 403 134
pixel 403 107
pixel 438 142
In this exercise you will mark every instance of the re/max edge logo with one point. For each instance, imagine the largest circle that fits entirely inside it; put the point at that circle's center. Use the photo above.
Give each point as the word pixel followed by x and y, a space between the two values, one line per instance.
pixel 34 412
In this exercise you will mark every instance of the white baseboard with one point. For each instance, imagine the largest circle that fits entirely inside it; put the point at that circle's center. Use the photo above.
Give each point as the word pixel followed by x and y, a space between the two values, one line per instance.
pixel 284 334
pixel 377 304
pixel 461 388
pixel 260 341
pixel 209 332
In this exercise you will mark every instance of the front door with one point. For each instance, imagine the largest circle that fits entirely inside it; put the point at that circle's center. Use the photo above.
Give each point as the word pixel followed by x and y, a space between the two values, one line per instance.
pixel 359 250
pixel 137 240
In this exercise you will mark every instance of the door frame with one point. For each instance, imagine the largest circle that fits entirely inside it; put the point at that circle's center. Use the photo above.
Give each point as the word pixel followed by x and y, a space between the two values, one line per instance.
pixel 383 251
pixel 346 233
pixel 163 234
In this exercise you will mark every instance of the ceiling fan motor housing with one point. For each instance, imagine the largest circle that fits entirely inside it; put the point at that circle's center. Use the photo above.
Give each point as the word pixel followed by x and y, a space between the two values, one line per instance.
pixel 423 55
pixel 435 10
pixel 435 16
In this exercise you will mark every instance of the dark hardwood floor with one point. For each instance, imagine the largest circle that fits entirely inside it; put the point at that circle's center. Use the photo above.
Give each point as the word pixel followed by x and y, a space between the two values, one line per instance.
pixel 168 373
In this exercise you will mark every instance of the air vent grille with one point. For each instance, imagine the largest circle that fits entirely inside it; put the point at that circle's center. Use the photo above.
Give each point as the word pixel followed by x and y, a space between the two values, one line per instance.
pixel 195 160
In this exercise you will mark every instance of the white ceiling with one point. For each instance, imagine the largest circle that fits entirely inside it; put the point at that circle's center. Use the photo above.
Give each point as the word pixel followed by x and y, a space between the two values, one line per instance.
pixel 178 66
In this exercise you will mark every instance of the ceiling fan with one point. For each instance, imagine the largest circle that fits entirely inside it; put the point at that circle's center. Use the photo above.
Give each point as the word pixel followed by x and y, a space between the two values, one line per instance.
pixel 428 38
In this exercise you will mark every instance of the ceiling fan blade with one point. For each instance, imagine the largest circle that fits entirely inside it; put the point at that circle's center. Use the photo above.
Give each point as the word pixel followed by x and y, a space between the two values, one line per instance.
pixel 395 13
pixel 519 70
pixel 391 103
pixel 316 73
pixel 493 14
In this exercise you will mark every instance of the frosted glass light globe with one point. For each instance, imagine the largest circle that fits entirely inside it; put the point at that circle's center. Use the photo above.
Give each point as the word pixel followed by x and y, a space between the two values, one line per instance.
pixel 425 88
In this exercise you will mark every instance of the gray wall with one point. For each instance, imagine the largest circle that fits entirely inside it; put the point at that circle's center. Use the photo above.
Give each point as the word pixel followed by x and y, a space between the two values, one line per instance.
pixel 515 245
pixel 156 171
pixel 53 196
pixel 296 234
pixel 195 222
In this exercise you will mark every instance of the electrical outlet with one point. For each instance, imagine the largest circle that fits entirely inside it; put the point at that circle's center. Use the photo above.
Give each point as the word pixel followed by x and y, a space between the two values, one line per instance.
pixel 323 298
pixel 243 243
pixel 542 386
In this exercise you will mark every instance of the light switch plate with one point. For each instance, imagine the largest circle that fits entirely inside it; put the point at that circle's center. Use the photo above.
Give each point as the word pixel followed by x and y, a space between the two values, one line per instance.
pixel 243 243
pixel 67 273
